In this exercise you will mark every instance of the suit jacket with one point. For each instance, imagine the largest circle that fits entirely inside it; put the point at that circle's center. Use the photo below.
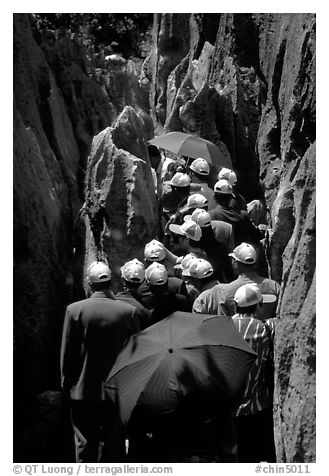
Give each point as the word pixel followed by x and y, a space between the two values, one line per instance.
pixel 94 332
pixel 132 298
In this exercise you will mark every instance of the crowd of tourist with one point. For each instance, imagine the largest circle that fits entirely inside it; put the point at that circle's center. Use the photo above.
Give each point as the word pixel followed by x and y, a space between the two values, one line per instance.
pixel 207 258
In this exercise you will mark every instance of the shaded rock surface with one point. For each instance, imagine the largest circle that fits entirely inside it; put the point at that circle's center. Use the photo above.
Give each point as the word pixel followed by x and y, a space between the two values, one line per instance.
pixel 251 90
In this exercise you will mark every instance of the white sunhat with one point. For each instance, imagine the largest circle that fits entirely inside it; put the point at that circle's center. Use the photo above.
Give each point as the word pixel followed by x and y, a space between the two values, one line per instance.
pixel 200 166
pixel 156 274
pixel 200 216
pixel 244 253
pixel 186 261
pixel 154 251
pixel 223 187
pixel 199 268
pixel 196 200
pixel 133 271
pixel 250 294
pixel 227 174
pixel 180 180
pixel 189 228
pixel 98 272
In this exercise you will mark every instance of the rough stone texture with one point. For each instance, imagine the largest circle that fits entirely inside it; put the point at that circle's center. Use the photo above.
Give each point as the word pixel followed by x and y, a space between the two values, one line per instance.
pixel 253 89
pixel 286 147
pixel 46 201
pixel 58 109
pixel 121 210
pixel 215 93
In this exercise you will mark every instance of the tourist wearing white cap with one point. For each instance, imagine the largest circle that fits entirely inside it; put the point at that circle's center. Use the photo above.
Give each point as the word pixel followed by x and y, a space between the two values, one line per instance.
pixel 187 237
pixel 243 228
pixel 178 191
pixel 216 241
pixel 155 251
pixel 201 275
pixel 254 419
pixel 221 298
pixel 238 202
pixel 160 300
pixel 132 276
pixel 199 173
pixel 94 332
pixel 195 200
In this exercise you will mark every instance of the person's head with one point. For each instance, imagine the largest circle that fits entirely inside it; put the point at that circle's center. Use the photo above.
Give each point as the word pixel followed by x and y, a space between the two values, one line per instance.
pixel 154 156
pixel 132 274
pixel 196 200
pixel 154 251
pixel 244 257
pixel 228 174
pixel 199 272
pixel 199 170
pixel 201 217
pixel 185 262
pixel 223 192
pixel 157 278
pixel 249 297
pixel 99 276
pixel 180 183
pixel 187 234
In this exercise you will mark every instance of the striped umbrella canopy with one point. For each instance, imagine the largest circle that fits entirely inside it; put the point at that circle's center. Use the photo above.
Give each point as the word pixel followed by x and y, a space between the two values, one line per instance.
pixel 193 147
pixel 179 355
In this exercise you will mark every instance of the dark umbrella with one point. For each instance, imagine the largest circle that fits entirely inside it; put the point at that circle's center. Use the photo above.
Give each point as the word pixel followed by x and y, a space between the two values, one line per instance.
pixel 192 146
pixel 179 355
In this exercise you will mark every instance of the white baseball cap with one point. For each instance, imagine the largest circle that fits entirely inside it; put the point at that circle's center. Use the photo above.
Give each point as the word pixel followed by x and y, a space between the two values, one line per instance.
pixel 250 294
pixel 200 166
pixel 199 268
pixel 98 272
pixel 227 174
pixel 245 253
pixel 186 261
pixel 224 187
pixel 154 251
pixel 180 180
pixel 196 200
pixel 133 271
pixel 156 274
pixel 200 216
pixel 189 228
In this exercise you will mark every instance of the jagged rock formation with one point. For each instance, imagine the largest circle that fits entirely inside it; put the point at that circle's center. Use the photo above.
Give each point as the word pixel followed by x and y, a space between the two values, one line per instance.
pixel 251 90
pixel 58 109
pixel 121 211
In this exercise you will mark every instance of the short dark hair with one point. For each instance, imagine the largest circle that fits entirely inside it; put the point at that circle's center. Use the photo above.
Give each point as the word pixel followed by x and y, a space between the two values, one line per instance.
pixel 153 150
pixel 130 284
pixel 100 286
pixel 246 309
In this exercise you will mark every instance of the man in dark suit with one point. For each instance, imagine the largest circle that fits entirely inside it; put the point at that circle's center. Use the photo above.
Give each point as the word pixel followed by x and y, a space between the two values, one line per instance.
pixel 94 332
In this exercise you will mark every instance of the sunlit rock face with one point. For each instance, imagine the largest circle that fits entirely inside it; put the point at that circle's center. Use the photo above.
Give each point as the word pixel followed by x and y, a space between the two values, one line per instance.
pixel 251 90
pixel 121 211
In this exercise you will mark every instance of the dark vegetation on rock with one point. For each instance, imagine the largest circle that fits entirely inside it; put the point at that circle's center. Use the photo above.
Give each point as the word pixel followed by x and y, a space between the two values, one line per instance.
pixel 82 182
